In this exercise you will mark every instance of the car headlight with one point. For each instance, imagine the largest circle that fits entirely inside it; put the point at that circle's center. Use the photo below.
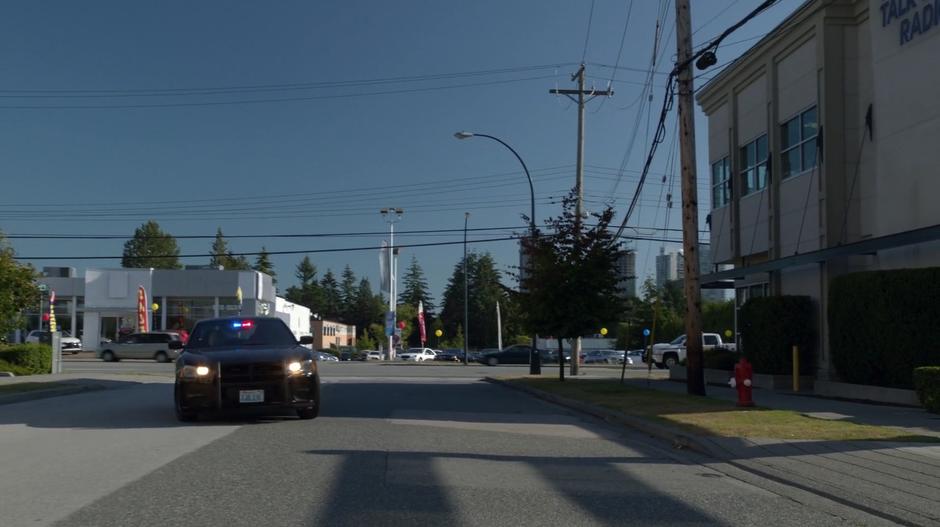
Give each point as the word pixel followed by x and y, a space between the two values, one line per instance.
pixel 194 372
pixel 299 367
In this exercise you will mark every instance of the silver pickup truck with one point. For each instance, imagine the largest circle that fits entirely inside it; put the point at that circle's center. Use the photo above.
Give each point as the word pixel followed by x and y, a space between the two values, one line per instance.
pixel 671 354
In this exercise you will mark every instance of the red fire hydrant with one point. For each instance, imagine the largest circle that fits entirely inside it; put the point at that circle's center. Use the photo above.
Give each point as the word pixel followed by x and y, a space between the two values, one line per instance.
pixel 743 380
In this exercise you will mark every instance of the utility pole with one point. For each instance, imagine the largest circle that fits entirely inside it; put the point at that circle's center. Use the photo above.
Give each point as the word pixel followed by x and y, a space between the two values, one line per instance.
pixel 466 304
pixel 579 182
pixel 693 311
pixel 392 215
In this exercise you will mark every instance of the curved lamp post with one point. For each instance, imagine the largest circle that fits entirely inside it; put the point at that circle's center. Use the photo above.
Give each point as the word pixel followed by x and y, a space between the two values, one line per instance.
pixel 534 366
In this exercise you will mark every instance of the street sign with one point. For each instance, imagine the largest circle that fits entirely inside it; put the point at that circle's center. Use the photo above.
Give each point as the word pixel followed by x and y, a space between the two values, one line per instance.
pixel 43 288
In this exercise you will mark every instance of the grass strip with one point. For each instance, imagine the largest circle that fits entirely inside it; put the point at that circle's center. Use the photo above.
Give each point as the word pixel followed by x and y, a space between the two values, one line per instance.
pixel 713 417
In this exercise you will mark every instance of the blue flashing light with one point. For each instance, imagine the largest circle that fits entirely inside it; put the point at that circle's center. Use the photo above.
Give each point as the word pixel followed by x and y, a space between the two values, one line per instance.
pixel 242 324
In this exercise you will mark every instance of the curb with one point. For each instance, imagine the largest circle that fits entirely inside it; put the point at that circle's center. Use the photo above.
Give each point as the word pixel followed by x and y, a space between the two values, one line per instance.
pixel 45 394
pixel 678 439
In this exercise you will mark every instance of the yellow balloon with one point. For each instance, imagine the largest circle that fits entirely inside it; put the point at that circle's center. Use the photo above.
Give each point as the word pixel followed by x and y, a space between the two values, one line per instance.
pixel 154 306
pixel 438 333
pixel 603 331
pixel 728 333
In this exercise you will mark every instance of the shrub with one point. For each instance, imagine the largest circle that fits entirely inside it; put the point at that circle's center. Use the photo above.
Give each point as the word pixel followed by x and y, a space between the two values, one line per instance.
pixel 27 359
pixel 927 384
pixel 720 359
pixel 883 324
pixel 771 326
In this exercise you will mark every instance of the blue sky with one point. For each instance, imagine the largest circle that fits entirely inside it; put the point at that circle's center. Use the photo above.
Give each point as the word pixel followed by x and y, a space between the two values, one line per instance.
pixel 328 163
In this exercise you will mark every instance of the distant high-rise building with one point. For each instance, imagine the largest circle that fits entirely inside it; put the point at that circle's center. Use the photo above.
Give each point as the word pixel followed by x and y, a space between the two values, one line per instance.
pixel 626 273
pixel 669 267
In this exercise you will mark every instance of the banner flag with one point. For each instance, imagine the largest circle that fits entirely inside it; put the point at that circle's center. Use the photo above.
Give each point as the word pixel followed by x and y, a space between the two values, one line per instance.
pixel 142 319
pixel 424 335
pixel 52 324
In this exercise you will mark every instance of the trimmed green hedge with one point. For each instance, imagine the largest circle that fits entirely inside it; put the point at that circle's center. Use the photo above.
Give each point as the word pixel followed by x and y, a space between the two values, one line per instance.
pixel 26 359
pixel 883 324
pixel 770 327
pixel 927 384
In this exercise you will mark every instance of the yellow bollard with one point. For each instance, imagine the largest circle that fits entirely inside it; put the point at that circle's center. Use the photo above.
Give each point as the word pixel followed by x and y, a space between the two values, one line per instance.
pixel 796 369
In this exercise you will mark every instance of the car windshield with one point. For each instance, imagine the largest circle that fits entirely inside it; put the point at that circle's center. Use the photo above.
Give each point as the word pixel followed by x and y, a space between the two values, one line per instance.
pixel 679 340
pixel 229 333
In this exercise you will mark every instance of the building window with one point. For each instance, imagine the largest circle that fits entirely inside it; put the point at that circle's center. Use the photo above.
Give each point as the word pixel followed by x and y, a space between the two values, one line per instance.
pixel 230 307
pixel 721 183
pixel 754 165
pixel 798 145
pixel 184 312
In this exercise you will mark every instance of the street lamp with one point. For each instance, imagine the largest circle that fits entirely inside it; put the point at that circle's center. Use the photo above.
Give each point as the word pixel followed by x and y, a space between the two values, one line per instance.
pixel 534 363
pixel 391 215
pixel 466 307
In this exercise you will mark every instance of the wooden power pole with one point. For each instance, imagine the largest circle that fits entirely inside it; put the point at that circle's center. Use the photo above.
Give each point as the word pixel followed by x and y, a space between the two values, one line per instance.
pixel 693 300
pixel 579 182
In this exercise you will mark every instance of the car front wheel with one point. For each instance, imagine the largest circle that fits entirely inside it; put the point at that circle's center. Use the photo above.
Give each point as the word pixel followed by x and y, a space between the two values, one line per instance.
pixel 492 361
pixel 108 356
pixel 670 361
pixel 183 415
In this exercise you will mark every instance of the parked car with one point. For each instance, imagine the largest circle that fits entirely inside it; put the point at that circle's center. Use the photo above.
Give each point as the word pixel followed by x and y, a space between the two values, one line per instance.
pixel 69 343
pixel 154 345
pixel 324 356
pixel 417 354
pixel 605 357
pixel 373 355
pixel 450 355
pixel 237 363
pixel 671 354
pixel 515 354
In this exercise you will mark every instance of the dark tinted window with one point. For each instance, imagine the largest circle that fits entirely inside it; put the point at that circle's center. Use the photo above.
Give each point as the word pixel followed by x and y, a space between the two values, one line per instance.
pixel 133 338
pixel 711 340
pixel 241 332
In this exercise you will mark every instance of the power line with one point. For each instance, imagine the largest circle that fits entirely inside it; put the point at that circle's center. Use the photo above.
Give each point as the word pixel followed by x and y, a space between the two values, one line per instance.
pixel 266 100
pixel 587 34
pixel 167 92
pixel 315 251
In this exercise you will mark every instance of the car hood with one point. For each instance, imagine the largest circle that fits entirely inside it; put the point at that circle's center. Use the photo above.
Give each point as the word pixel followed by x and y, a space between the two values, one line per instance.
pixel 249 354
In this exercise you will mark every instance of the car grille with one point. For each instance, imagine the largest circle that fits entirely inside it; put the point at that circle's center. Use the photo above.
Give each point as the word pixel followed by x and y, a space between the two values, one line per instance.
pixel 249 373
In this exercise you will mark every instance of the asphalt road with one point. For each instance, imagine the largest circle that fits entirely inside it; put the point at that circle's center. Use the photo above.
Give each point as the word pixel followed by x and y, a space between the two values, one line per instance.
pixel 85 363
pixel 386 451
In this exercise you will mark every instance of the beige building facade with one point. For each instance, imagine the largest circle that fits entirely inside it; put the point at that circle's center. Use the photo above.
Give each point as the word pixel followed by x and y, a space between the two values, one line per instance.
pixel 825 137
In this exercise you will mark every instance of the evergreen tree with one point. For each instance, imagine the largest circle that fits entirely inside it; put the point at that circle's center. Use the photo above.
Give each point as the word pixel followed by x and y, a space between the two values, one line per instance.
pixel 332 298
pixel 347 295
pixel 416 288
pixel 308 292
pixel 368 307
pixel 263 265
pixel 18 289
pixel 484 290
pixel 151 247
pixel 221 255
pixel 219 251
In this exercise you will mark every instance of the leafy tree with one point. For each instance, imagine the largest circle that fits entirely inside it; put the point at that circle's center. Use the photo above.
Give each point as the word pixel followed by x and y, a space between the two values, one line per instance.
pixel 151 247
pixel 308 292
pixel 221 255
pixel 416 288
pixel 18 288
pixel 332 298
pixel 571 288
pixel 263 264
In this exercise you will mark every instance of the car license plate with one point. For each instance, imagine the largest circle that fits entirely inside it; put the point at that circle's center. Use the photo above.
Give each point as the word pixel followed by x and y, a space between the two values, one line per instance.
pixel 251 396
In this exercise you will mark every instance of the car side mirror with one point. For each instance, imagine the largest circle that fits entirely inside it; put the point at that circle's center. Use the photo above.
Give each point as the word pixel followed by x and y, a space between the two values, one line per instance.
pixel 175 345
pixel 306 339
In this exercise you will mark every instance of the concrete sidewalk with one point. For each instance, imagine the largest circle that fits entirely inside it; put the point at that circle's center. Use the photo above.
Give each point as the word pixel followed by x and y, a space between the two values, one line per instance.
pixel 897 481
pixel 69 383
